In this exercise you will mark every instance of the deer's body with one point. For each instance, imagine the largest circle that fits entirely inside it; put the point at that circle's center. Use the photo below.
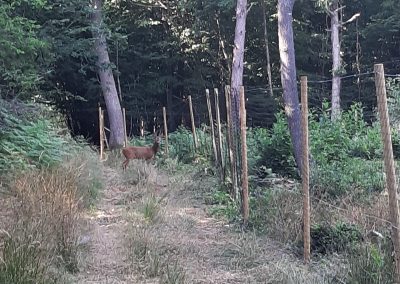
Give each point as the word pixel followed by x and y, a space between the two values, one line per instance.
pixel 140 153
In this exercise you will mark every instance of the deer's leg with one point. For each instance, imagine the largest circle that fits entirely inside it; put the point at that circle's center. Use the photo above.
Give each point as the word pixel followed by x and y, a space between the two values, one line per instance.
pixel 125 164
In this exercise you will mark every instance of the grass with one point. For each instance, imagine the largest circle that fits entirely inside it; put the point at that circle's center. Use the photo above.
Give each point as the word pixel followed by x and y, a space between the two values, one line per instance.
pixel 23 260
pixel 43 231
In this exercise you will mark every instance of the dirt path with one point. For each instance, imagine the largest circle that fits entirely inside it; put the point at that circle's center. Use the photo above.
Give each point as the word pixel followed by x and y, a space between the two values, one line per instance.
pixel 185 244
pixel 105 257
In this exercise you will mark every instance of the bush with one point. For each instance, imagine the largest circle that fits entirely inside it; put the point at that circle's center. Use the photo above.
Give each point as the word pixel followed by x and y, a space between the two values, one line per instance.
pixel 345 154
pixel 338 177
pixel 371 263
pixel 27 142
pixel 272 149
pixel 327 238
pixel 181 145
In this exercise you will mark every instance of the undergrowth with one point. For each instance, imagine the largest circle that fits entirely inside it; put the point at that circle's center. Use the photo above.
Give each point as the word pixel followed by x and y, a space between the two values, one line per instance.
pixel 49 179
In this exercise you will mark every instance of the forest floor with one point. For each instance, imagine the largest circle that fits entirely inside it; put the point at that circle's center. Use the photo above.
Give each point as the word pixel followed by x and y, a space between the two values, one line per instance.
pixel 151 227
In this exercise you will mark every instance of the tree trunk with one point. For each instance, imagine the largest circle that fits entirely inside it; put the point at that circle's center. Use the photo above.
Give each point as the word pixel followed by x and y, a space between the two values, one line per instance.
pixel 107 81
pixel 237 81
pixel 170 109
pixel 288 76
pixel 336 60
pixel 266 42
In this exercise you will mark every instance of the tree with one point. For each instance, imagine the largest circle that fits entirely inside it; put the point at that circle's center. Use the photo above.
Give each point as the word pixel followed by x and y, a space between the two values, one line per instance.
pixel 333 11
pixel 107 81
pixel 264 12
pixel 337 66
pixel 237 80
pixel 288 75
pixel 20 49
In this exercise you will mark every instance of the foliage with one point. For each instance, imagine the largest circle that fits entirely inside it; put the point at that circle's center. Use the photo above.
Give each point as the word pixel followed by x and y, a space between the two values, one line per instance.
pixel 20 45
pixel 181 145
pixel 223 205
pixel 371 263
pixel 327 238
pixel 30 144
pixel 276 150
pixel 345 154
pixel 393 88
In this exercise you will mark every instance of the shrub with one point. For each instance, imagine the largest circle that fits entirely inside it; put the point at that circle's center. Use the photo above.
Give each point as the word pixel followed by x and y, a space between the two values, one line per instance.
pixel 345 154
pixel 371 263
pixel 327 238
pixel 273 151
pixel 181 145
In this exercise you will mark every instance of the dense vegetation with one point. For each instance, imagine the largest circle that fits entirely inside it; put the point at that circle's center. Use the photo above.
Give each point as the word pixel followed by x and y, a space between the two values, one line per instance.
pixel 162 52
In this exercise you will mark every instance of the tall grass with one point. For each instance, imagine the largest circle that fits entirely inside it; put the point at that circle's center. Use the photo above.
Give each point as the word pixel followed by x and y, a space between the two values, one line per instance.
pixel 50 178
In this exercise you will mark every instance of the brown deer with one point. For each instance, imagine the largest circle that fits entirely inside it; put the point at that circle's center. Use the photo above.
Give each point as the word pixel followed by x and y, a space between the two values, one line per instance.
pixel 141 153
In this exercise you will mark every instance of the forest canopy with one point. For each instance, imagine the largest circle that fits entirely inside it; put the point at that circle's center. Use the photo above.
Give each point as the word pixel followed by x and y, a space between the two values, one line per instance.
pixel 163 51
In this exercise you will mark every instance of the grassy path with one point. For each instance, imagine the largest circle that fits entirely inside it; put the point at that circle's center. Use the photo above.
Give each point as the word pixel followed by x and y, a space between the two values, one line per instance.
pixel 154 228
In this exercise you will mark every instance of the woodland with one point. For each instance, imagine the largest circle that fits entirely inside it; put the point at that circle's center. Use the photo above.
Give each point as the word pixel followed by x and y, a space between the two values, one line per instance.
pixel 223 197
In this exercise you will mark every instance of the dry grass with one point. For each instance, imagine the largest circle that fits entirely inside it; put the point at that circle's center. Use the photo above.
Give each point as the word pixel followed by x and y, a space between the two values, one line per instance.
pixel 43 231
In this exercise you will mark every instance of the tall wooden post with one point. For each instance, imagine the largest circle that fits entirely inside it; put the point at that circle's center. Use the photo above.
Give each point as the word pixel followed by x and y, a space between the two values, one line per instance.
pixel 305 171
pixel 101 133
pixel 196 145
pixel 212 127
pixel 218 118
pixel 245 181
pixel 235 187
pixel 141 127
pixel 125 132
pixel 165 131
pixel 391 182
pixel 103 129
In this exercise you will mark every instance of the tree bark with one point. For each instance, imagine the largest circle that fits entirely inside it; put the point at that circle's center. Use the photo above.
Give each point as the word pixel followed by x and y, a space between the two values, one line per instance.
pixel 336 59
pixel 237 80
pixel 266 42
pixel 107 81
pixel 288 76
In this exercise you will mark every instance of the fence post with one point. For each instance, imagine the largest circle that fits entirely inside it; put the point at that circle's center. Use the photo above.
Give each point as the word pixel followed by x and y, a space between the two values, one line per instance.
pixel 391 182
pixel 218 118
pixel 101 133
pixel 103 128
pixel 305 175
pixel 212 126
pixel 235 189
pixel 125 132
pixel 192 120
pixel 141 127
pixel 245 182
pixel 165 131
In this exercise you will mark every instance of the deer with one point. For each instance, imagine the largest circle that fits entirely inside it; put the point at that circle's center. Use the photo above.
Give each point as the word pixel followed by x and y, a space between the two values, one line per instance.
pixel 141 153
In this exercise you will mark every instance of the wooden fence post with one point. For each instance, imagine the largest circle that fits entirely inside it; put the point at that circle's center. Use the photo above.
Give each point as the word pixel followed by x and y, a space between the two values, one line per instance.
pixel 104 128
pixel 196 145
pixel 141 127
pixel 220 146
pixel 165 131
pixel 391 182
pixel 229 131
pixel 245 182
pixel 305 175
pixel 212 127
pixel 101 133
pixel 125 132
